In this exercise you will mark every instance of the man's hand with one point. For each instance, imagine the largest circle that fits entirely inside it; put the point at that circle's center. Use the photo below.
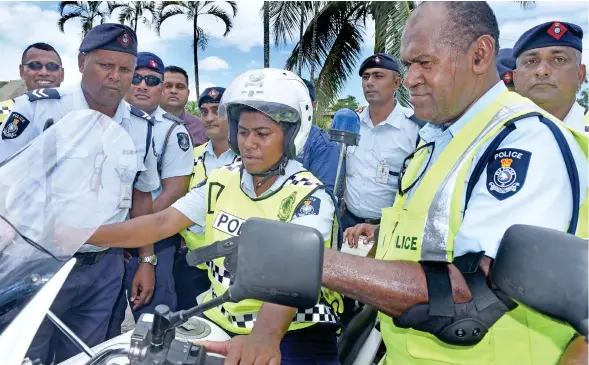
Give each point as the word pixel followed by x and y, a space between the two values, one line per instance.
pixel 352 234
pixel 246 350
pixel 143 285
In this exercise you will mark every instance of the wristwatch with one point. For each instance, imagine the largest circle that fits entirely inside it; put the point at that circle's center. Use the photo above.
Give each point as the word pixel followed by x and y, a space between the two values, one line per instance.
pixel 149 260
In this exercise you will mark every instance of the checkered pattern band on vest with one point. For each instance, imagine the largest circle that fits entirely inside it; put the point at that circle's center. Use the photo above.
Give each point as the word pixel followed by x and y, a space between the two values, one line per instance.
pixel 5 110
pixel 302 181
pixel 200 159
pixel 319 313
pixel 232 167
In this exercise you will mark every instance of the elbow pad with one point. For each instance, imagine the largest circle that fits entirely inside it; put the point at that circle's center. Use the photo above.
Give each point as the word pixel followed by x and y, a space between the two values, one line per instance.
pixel 464 324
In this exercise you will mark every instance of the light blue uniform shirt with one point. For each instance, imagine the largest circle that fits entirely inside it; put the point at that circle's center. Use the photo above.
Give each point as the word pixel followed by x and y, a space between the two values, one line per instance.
pixel 178 158
pixel 543 199
pixel 212 162
pixel 390 141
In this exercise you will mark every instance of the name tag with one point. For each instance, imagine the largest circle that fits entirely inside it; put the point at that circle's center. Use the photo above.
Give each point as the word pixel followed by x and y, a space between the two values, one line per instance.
pixel 382 172
pixel 228 223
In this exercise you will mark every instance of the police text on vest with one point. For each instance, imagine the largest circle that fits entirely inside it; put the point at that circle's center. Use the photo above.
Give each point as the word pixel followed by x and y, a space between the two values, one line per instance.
pixel 228 223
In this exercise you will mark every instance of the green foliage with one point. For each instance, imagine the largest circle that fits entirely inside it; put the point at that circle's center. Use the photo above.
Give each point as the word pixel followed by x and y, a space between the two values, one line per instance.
pixel 349 102
pixel 192 108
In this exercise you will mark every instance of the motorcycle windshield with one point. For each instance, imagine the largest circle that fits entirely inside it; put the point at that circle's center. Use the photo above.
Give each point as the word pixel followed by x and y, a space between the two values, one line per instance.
pixel 54 193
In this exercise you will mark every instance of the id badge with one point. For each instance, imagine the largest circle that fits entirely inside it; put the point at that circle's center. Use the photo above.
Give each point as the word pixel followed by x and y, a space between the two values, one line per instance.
pixel 382 172
pixel 126 196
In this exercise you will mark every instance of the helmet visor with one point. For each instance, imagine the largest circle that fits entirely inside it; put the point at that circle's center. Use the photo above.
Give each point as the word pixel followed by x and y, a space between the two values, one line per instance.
pixel 280 113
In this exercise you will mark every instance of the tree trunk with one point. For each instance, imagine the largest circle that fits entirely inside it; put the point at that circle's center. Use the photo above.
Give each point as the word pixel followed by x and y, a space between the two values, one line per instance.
pixel 195 39
pixel 314 41
pixel 266 34
pixel 301 33
pixel 136 18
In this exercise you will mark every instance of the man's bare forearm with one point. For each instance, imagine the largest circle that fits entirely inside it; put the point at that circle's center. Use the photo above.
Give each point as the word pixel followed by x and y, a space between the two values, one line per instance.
pixel 142 205
pixel 575 353
pixel 173 188
pixel 392 287
pixel 273 322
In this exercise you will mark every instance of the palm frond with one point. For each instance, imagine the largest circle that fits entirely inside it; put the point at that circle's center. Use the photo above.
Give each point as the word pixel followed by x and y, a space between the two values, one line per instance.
pixel 165 11
pixel 74 5
pixel 285 18
pixel 203 39
pixel 64 18
pixel 221 14
pixel 526 5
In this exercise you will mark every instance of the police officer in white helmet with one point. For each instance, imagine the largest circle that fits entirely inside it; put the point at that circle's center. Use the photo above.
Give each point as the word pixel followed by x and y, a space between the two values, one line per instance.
pixel 270 114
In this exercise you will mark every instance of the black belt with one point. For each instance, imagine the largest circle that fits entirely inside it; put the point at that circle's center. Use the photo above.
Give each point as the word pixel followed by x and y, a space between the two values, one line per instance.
pixel 362 220
pixel 89 258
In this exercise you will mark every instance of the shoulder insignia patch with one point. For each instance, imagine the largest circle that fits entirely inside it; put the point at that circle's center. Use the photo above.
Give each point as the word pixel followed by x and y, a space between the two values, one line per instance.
pixel 41 94
pixel 14 125
pixel 174 118
pixel 141 114
pixel 310 206
pixel 506 172
pixel 183 141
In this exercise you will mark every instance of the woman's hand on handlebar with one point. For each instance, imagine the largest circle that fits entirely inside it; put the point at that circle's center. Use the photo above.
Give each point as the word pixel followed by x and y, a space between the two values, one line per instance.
pixel 245 350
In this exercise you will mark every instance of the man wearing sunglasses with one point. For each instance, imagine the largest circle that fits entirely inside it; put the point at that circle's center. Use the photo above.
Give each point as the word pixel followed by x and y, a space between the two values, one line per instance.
pixel 488 159
pixel 106 60
pixel 40 68
pixel 173 148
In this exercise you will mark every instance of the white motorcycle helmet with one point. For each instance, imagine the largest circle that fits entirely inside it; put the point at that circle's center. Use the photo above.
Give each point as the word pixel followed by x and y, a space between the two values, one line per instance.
pixel 281 95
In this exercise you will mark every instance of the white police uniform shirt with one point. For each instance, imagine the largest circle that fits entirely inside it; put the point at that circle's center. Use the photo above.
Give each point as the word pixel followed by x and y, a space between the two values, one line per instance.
pixel 386 144
pixel 575 119
pixel 544 196
pixel 193 204
pixel 178 158
pixel 212 162
pixel 33 116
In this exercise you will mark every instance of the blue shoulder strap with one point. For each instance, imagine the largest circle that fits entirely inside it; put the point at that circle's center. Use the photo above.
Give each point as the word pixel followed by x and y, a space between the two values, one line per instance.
pixel 147 144
pixel 40 94
pixel 565 150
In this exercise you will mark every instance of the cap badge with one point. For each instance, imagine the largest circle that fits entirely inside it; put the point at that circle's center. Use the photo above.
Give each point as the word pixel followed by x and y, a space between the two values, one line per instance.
pixel 213 93
pixel 507 77
pixel 377 59
pixel 557 30
pixel 124 40
pixel 153 64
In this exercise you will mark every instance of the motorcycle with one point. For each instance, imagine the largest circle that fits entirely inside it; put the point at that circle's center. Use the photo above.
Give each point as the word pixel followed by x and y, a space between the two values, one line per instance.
pixel 56 191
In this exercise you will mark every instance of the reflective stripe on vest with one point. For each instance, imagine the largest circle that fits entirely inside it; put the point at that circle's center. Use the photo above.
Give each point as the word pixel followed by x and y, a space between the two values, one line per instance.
pixel 424 228
pixel 227 208
pixel 320 313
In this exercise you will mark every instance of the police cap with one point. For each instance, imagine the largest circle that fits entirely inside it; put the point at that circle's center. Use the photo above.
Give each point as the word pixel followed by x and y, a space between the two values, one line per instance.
pixel 312 90
pixel 111 37
pixel 150 61
pixel 550 34
pixel 506 65
pixel 211 95
pixel 380 60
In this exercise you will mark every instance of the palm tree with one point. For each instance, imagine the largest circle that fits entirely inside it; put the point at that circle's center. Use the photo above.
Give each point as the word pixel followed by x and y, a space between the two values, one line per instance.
pixel 88 12
pixel 266 15
pixel 132 12
pixel 192 10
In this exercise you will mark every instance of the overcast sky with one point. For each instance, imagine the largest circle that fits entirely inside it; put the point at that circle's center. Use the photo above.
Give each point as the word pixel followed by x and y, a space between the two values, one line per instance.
pixel 23 23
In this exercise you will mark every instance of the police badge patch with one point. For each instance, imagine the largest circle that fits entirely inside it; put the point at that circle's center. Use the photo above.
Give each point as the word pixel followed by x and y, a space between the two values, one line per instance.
pixel 183 141
pixel 14 125
pixel 506 173
pixel 310 207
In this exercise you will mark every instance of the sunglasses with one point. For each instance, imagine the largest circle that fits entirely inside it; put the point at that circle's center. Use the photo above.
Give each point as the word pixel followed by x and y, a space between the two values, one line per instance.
pixel 38 66
pixel 150 80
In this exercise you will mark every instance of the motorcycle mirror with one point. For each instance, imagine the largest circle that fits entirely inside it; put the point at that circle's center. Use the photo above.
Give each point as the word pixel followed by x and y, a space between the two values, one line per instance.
pixel 546 270
pixel 279 263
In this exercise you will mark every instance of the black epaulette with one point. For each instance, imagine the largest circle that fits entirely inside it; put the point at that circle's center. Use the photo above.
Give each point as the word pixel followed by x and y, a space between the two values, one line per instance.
pixel 173 118
pixel 141 114
pixel 418 121
pixel 41 94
